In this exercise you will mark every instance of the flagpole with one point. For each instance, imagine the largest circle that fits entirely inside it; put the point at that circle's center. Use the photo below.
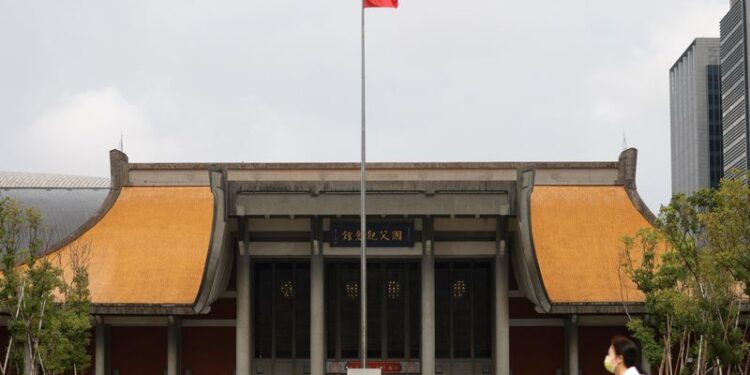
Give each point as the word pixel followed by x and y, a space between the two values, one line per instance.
pixel 363 223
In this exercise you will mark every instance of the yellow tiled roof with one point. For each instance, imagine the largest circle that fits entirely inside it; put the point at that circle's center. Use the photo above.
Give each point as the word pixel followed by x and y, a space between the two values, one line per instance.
pixel 577 233
pixel 149 248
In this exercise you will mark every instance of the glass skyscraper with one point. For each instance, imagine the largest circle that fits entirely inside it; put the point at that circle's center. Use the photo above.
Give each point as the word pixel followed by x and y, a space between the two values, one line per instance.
pixel 696 118
pixel 734 89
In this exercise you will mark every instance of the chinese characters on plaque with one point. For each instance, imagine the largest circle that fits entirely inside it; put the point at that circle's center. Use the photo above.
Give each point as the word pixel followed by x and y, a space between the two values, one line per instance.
pixel 378 235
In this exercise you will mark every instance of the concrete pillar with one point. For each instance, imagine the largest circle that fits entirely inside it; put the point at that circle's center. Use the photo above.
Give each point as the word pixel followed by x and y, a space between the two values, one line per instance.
pixel 100 353
pixel 571 344
pixel 501 353
pixel 317 312
pixel 428 309
pixel 174 338
pixel 242 345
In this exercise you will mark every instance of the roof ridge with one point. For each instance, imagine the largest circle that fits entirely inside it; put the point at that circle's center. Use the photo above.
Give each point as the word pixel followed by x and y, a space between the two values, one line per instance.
pixel 19 180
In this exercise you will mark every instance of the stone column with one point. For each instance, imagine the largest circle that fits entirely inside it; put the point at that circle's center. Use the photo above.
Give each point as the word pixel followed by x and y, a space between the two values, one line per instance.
pixel 243 334
pixel 501 353
pixel 317 312
pixel 428 301
pixel 100 354
pixel 571 344
pixel 174 338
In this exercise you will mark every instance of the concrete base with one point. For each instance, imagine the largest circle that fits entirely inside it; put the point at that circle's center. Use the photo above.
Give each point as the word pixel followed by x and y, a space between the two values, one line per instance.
pixel 368 371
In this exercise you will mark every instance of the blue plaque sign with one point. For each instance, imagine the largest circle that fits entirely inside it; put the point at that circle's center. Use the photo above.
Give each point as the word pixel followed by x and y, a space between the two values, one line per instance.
pixel 378 235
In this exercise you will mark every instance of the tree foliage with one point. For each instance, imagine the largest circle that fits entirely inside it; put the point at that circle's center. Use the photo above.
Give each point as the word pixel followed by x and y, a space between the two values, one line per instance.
pixel 48 316
pixel 694 270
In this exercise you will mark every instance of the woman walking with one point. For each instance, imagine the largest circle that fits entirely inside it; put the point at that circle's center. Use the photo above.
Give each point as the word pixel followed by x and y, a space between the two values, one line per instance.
pixel 624 357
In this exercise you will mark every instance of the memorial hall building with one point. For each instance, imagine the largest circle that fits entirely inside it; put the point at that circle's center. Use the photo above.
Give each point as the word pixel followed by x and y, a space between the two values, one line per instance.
pixel 244 268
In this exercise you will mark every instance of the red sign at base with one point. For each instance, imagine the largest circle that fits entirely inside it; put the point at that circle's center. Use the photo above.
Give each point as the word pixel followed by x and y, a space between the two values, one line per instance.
pixel 385 366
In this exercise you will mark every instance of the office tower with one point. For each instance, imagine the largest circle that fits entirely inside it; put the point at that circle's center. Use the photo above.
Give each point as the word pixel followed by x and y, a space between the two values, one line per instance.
pixel 695 117
pixel 734 89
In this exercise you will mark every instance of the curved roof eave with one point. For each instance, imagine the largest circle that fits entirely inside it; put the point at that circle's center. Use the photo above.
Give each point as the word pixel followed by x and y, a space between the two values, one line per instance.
pixel 530 276
pixel 215 267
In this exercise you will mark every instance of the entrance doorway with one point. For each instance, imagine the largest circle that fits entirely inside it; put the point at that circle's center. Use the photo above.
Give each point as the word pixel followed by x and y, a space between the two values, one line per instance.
pixel 463 317
pixel 393 312
pixel 281 317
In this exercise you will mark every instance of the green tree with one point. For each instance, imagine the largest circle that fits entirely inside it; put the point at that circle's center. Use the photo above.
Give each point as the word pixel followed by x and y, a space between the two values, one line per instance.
pixel 48 316
pixel 693 269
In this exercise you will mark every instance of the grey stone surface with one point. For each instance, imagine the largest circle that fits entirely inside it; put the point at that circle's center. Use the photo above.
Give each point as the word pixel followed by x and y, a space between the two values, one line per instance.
pixel 218 267
pixel 502 311
pixel 100 351
pixel 428 302
pixel 174 332
pixel 243 345
pixel 525 265
pixel 317 314
pixel 571 344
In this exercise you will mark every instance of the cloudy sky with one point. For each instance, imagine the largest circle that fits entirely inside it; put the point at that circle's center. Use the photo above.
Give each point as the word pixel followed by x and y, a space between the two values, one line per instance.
pixel 251 80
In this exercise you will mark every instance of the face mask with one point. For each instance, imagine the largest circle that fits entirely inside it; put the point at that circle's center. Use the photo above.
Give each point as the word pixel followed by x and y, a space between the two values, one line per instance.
pixel 609 365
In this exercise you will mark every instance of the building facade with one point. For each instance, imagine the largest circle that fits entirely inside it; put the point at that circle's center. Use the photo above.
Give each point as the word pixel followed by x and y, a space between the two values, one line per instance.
pixel 473 268
pixel 734 90
pixel 695 117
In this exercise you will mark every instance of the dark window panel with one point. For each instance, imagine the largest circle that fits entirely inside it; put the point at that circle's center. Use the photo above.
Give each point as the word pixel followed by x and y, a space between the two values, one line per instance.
pixel 374 311
pixel 462 290
pixel 349 310
pixel 482 311
pixel 332 298
pixel 395 290
pixel 284 304
pixel 415 309
pixel 281 309
pixel 263 310
pixel 302 310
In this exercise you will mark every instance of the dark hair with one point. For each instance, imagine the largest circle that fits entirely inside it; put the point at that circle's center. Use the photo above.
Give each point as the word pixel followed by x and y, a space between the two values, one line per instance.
pixel 629 351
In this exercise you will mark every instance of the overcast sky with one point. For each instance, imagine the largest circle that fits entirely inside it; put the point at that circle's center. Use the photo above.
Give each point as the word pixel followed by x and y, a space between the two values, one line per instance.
pixel 252 80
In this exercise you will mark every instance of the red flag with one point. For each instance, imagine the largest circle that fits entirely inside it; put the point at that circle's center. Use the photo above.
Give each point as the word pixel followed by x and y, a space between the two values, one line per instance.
pixel 381 3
